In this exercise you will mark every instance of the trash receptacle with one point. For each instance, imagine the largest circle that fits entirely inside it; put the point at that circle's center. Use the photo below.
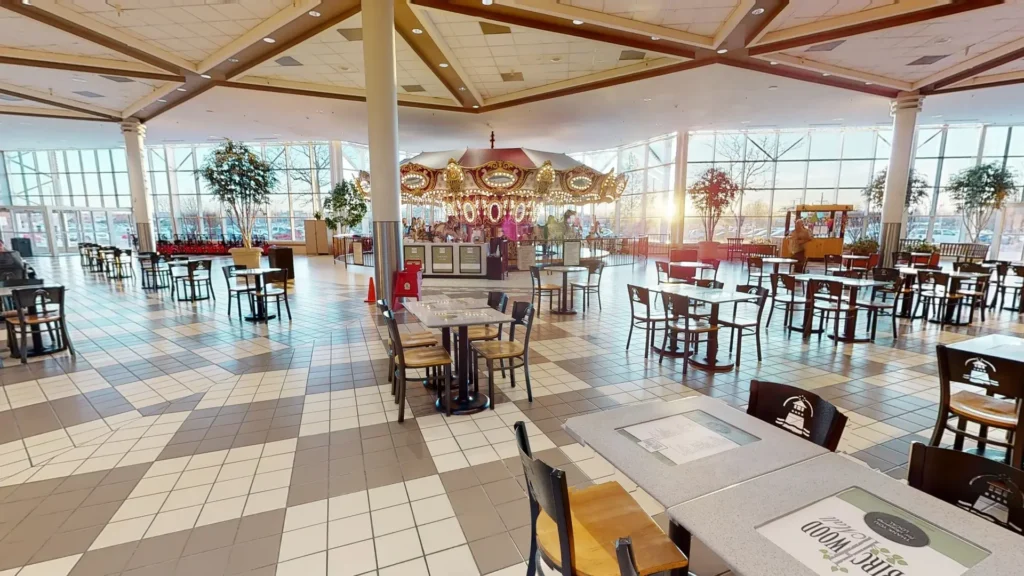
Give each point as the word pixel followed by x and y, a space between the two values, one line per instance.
pixel 22 245
pixel 281 257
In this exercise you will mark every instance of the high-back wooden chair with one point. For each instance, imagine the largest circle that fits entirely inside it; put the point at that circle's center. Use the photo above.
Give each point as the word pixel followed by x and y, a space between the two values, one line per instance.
pixel 641 316
pixel 833 263
pixel 962 479
pixel 538 288
pixel 38 308
pixel 756 270
pixel 433 357
pixel 998 406
pixel 749 324
pixel 786 406
pixel 784 295
pixel 576 531
pixel 517 353
pixel 681 323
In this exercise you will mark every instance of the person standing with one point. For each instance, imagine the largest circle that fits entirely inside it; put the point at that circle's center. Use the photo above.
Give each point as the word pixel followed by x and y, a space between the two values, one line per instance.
pixel 798 243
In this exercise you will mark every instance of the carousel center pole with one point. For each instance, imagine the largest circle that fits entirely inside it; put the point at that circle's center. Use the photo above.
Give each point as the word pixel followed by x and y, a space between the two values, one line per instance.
pixel 382 120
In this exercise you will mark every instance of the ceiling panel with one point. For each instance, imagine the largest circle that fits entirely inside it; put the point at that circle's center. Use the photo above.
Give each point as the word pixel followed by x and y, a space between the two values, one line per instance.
pixel 331 59
pixel 191 29
pixel 6 100
pixel 932 46
pixel 703 17
pixel 801 12
pixel 23 33
pixel 493 62
pixel 90 89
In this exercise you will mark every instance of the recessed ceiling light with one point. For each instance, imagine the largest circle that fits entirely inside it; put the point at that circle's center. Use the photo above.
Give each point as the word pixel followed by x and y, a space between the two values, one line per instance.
pixel 83 80
pixel 868 83
pixel 475 106
pixel 314 13
pixel 773 87
pixel 233 60
pixel 181 90
pixel 344 68
pixel 487 2
pixel 943 40
pixel 647 99
pixel 556 59
pixel 462 88
pixel 319 111
pixel 417 31
pixel 207 76
pixel 578 22
pixel 825 74
pixel 443 64
pixel 774 63
pixel 745 122
pixel 269 40
pixel 26 2
pixel 722 50
pixel 655 37
pixel 757 11
pixel 161 100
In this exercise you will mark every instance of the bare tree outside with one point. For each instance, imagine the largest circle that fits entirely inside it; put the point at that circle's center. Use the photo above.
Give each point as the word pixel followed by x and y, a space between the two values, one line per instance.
pixel 748 159
pixel 319 161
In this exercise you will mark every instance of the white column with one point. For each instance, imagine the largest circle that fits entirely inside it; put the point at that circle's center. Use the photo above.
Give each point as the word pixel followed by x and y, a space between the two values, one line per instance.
pixel 382 119
pixel 904 129
pixel 337 163
pixel 679 188
pixel 138 179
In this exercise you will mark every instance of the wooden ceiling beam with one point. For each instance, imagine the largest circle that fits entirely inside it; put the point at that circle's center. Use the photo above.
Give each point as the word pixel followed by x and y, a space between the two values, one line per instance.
pixel 990 81
pixel 46 113
pixel 428 46
pixel 976 66
pixel 84 64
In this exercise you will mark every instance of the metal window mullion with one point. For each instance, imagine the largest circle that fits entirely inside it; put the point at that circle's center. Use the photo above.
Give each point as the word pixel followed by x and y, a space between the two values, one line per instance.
pixel 807 165
pixel 936 189
pixel 871 178
pixel 643 190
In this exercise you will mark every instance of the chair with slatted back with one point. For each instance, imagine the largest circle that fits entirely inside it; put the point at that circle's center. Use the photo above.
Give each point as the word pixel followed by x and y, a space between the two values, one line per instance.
pixel 830 303
pixel 974 291
pixel 38 308
pixel 538 288
pixel 784 406
pixel 833 263
pixel 756 270
pixel 715 264
pixel 236 286
pixel 590 286
pixel 640 307
pixel 784 295
pixel 894 283
pixel 410 340
pixel 933 290
pixel 970 482
pixel 575 531
pixel 517 353
pixel 275 287
pixel 682 323
pixel 980 400
pixel 749 323
pixel 426 358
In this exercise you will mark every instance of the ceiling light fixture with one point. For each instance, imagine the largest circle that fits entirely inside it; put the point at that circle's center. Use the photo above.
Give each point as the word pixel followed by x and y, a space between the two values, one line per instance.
pixel 417 31
pixel 475 106
pixel 161 100
pixel 722 50
pixel 773 87
pixel 269 40
pixel 462 88
pixel 233 60
pixel 937 116
pixel 655 37
pixel 868 83
pixel 745 122
pixel 314 13
pixel 182 90
pixel 207 76
pixel 578 22
pixel 647 99
pixel 837 119
pixel 826 74
pixel 78 80
pixel 774 63
pixel 487 2
pixel 757 11
pixel 556 59
pixel 943 40
pixel 443 64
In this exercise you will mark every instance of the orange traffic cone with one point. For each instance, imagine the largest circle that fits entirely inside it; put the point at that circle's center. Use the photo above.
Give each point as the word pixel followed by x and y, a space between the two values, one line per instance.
pixel 371 295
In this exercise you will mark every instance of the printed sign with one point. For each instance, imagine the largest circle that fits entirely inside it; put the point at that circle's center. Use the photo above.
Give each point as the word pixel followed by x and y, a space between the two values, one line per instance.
pixel 442 259
pixel 687 437
pixel 469 259
pixel 855 532
pixel 526 257
pixel 415 254
pixel 357 253
pixel 571 255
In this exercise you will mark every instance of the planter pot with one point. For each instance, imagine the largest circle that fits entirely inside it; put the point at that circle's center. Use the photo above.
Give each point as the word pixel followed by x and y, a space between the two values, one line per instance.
pixel 707 249
pixel 248 257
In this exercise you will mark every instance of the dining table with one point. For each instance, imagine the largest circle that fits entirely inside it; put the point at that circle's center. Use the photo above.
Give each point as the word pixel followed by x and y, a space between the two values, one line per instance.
pixel 956 279
pixel 777 261
pixel 563 296
pixel 447 315
pixel 852 287
pixel 850 259
pixel 687 265
pixel 830 515
pixel 713 359
pixel 257 274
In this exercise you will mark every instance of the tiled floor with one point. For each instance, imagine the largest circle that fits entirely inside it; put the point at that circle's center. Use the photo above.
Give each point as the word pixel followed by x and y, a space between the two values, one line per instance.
pixel 184 441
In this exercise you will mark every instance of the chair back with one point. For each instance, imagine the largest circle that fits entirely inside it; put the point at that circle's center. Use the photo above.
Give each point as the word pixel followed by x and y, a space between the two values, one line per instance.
pixel 639 296
pixel 228 272
pixel 624 554
pixel 933 260
pixel 1018 271
pixel 708 283
pixel 902 259
pixel 754 264
pixel 831 288
pixel 932 279
pixel 784 281
pixel 44 299
pixel 662 270
pixel 535 281
pixel 962 479
pixel 715 263
pixel 396 338
pixel 762 296
pixel 595 268
pixel 279 277
pixel 833 261
pixel 798 411
pixel 998 376
pixel 855 273
pixel 497 300
pixel 677 307
pixel 548 491
pixel 522 315
pixel 971 267
pixel 873 260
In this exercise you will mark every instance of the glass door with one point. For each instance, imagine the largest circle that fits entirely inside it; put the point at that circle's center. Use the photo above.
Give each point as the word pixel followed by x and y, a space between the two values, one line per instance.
pixel 32 225
pixel 66 233
pixel 1011 244
pixel 100 225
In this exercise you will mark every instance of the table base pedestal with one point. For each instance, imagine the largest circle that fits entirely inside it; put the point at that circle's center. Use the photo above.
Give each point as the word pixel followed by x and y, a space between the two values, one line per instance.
pixel 474 403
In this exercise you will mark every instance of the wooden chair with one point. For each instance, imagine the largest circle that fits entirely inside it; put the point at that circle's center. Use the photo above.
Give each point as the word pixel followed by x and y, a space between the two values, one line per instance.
pixel 417 359
pixel 974 292
pixel 155 272
pixel 902 260
pixel 894 286
pixel 998 407
pixel 641 317
pixel 933 289
pixel 275 286
pixel 38 308
pixel 591 286
pixel 575 531
pixel 681 322
pixel 1014 285
pixel 119 265
pixel 663 271
pixel 962 479
pixel 538 288
pixel 784 406
pixel 1000 273
pixel 715 263
pixel 756 270
pixel 197 273
pixel 235 290
pixel 744 326
pixel 410 340
pixel 708 283
pixel 734 247
pixel 784 295
pixel 833 263
pixel 522 315
pixel 829 303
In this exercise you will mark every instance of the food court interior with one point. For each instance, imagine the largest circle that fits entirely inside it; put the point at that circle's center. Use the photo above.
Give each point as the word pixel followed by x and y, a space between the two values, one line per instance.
pixel 805 216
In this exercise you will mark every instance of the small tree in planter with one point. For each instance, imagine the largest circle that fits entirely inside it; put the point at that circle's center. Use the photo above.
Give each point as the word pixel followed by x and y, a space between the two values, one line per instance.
pixel 917 191
pixel 979 191
pixel 242 181
pixel 344 206
pixel 711 195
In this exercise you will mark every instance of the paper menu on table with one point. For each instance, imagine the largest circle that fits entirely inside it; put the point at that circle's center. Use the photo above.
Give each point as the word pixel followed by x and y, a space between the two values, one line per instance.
pixel 687 437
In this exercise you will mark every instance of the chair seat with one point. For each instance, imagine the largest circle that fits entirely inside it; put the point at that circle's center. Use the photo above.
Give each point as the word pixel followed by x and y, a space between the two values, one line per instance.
pixel 418 340
pixel 984 409
pixel 583 284
pixel 600 515
pixel 694 326
pixel 235 287
pixel 876 305
pixel 270 291
pixel 35 318
pixel 971 293
pixel 426 357
pixel 738 323
pixel 656 318
pixel 833 306
pixel 483 333
pixel 546 287
pixel 496 349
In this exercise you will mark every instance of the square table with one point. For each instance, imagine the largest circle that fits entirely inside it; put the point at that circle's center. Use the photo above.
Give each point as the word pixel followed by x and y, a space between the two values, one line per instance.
pixel 465 401
pixel 441 303
pixel 713 297
pixel 853 284
pixel 563 304
pixel 736 524
pixel 850 259
pixel 775 261
pixel 672 484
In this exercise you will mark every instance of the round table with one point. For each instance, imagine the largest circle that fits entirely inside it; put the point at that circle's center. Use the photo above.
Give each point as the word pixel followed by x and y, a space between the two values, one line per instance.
pixel 563 306
pixel 257 275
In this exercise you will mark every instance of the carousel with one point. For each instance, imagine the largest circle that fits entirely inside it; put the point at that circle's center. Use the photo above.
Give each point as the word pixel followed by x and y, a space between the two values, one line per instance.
pixel 489 193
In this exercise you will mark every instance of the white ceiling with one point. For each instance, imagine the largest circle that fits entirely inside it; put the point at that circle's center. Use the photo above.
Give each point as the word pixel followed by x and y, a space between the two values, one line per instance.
pixel 715 97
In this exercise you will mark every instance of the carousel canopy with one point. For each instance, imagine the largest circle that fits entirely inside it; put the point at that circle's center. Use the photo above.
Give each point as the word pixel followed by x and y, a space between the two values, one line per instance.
pixel 477 156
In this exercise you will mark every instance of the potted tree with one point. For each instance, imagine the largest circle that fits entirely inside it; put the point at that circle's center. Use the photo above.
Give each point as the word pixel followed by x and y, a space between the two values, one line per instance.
pixel 242 181
pixel 344 207
pixel 979 191
pixel 712 193
pixel 874 195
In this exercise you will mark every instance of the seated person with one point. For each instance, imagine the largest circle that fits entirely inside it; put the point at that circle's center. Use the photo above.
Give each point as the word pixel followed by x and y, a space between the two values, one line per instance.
pixel 12 266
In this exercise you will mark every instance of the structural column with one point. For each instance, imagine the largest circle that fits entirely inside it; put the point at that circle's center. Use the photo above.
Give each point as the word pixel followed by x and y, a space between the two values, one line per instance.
pixel 679 188
pixel 337 163
pixel 138 179
pixel 382 119
pixel 904 129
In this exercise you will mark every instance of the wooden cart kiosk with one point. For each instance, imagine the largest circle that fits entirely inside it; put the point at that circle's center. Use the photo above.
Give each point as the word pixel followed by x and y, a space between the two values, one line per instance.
pixel 827 222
